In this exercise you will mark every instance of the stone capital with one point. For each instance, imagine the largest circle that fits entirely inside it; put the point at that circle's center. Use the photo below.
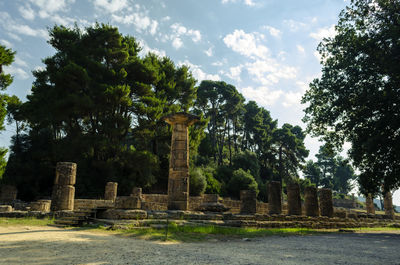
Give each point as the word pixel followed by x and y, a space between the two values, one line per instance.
pixel 181 118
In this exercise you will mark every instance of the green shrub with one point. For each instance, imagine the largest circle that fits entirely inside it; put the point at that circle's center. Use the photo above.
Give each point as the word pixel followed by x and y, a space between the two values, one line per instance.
pixel 197 182
pixel 241 180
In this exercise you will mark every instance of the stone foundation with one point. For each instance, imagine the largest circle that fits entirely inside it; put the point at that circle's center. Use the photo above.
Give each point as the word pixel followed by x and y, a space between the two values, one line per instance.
pixel 248 200
pixel 41 206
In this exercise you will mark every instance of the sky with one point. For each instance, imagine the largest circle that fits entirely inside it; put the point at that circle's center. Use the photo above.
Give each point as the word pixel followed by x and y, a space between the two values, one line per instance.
pixel 265 48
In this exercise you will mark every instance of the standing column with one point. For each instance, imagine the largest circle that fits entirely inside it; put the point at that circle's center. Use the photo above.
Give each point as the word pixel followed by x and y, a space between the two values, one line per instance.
pixel 293 197
pixel 369 202
pixel 274 197
pixel 111 190
pixel 63 190
pixel 311 201
pixel 388 204
pixel 178 179
pixel 248 203
pixel 326 202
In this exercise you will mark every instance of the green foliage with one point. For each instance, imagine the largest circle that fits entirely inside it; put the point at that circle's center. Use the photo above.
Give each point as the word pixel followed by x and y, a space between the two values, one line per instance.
pixel 248 162
pixel 241 180
pixel 357 98
pixel 197 182
pixel 6 58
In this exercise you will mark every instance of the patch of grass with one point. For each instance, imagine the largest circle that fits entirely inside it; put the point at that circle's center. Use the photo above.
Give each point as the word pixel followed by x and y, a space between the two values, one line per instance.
pixel 201 233
pixel 31 221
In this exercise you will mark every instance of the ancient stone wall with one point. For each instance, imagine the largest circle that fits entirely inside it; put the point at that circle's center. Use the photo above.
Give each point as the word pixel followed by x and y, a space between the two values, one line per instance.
pixel 92 204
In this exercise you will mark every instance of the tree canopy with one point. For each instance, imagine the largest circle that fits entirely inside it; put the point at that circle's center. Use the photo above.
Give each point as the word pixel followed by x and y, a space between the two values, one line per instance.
pixel 357 99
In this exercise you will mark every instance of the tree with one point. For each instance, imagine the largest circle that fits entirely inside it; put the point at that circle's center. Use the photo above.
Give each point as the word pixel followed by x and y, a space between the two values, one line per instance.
pixel 327 164
pixel 344 173
pixel 313 173
pixel 6 58
pixel 357 99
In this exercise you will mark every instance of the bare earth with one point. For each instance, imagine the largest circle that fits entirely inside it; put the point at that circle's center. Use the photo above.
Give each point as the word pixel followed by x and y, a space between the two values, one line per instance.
pixel 49 245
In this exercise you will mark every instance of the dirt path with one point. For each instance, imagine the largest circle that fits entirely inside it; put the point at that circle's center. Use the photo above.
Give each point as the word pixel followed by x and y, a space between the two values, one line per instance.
pixel 49 245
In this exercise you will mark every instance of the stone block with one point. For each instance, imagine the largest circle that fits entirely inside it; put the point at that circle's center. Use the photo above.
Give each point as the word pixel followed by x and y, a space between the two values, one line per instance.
pixel 212 207
pixel 65 173
pixel 117 214
pixel 5 208
pixel 326 202
pixel 63 198
pixel 110 192
pixel 128 202
pixel 369 203
pixel 294 200
pixel 311 201
pixel 41 206
pixel 248 200
pixel 274 197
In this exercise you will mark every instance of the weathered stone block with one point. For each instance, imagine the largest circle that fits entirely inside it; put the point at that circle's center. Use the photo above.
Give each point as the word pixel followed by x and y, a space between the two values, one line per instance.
pixel 41 206
pixel 369 203
pixel 212 207
pixel 111 190
pixel 65 173
pixel 248 200
pixel 326 203
pixel 128 202
pixel 5 208
pixel 8 193
pixel 274 197
pixel 123 214
pixel 63 198
pixel 294 200
pixel 388 205
pixel 311 201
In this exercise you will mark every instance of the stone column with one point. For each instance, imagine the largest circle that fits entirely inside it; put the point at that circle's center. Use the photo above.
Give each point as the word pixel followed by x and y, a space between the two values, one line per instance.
pixel 369 202
pixel 63 190
pixel 311 201
pixel 111 190
pixel 178 179
pixel 388 205
pixel 326 202
pixel 248 200
pixel 274 197
pixel 8 193
pixel 294 200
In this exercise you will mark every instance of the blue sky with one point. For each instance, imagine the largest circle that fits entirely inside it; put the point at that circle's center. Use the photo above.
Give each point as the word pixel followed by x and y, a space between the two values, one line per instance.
pixel 266 48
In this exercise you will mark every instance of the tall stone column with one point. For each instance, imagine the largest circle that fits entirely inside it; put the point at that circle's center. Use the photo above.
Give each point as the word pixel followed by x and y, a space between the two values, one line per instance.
pixel 369 203
pixel 63 190
pixel 111 190
pixel 248 200
pixel 274 197
pixel 388 204
pixel 326 202
pixel 311 201
pixel 294 200
pixel 178 179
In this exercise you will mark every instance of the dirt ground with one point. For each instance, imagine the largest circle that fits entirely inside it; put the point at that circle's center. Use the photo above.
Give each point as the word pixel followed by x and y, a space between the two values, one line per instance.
pixel 51 245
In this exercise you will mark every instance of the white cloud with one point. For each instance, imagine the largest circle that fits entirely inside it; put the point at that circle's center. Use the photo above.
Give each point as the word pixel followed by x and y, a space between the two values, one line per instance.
pixel 294 25
pixel 246 44
pixel 167 18
pixel 13 28
pixel 177 43
pixel 16 71
pixel 268 72
pixel 39 68
pixel 218 63
pixel 27 12
pixel 235 72
pixel 300 49
pixel 209 52
pixel 273 31
pixel 180 30
pixel 327 32
pixel 140 21
pixel 52 6
pixel 246 2
pixel 20 62
pixel 292 98
pixel 262 95
pixel 146 49
pixel 110 6
pixel 198 73
pixel 6 43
